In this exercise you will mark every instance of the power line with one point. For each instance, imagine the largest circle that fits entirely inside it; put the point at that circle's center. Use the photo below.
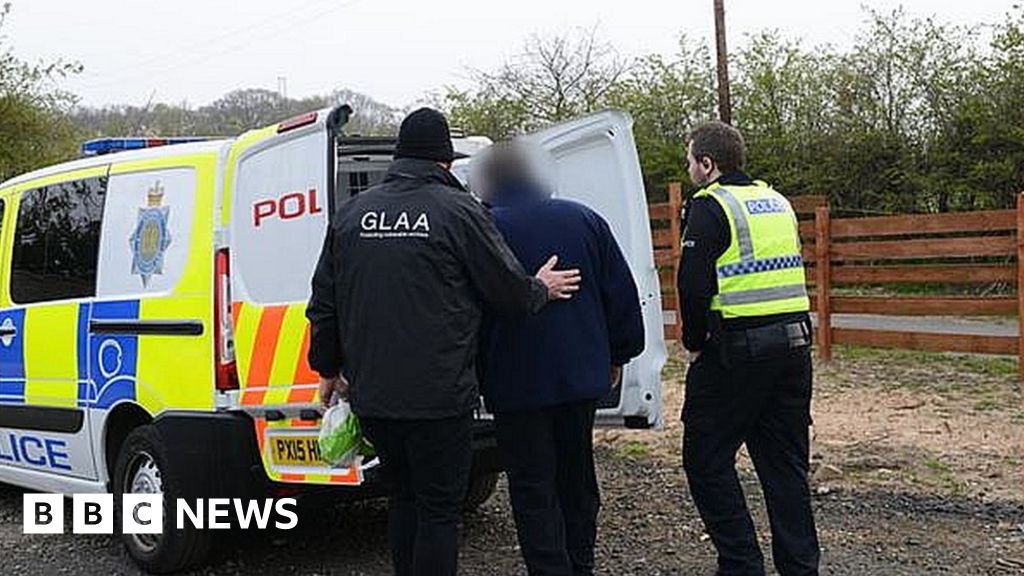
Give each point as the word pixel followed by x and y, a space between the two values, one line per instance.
pixel 209 49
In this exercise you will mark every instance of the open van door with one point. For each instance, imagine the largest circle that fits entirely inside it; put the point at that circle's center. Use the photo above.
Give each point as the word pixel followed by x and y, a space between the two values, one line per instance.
pixel 278 192
pixel 596 163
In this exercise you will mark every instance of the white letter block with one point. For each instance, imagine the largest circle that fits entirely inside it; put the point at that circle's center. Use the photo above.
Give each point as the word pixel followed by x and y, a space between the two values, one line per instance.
pixel 143 514
pixel 92 514
pixel 43 513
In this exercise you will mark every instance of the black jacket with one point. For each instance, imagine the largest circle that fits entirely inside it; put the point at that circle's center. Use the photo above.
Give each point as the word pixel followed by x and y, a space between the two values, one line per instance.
pixel 398 293
pixel 706 236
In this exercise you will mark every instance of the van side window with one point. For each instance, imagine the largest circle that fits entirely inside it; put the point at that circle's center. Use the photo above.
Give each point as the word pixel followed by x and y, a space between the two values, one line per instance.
pixel 147 232
pixel 56 241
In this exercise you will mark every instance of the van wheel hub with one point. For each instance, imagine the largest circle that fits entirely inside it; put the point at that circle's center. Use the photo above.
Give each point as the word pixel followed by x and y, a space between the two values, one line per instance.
pixel 142 476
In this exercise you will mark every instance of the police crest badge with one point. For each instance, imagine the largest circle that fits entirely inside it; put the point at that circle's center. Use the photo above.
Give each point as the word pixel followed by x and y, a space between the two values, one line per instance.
pixel 152 236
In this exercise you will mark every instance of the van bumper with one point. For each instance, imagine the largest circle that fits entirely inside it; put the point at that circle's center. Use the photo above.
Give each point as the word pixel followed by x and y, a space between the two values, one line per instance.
pixel 217 455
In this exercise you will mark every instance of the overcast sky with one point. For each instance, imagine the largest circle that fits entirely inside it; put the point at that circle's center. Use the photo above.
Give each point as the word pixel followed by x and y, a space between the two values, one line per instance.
pixel 394 50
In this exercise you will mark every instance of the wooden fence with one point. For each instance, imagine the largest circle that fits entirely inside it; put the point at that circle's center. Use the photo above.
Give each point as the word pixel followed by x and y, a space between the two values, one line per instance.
pixel 666 233
pixel 935 250
pixel 966 248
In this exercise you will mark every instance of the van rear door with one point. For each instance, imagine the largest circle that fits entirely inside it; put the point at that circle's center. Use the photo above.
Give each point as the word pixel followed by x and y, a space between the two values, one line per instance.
pixel 596 163
pixel 278 192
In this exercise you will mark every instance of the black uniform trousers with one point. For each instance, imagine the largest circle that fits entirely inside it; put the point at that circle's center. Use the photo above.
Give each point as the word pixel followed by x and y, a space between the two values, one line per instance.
pixel 734 398
pixel 428 463
pixel 549 459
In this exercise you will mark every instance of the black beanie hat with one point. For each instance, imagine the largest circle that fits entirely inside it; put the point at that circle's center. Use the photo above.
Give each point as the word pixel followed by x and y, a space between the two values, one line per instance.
pixel 424 134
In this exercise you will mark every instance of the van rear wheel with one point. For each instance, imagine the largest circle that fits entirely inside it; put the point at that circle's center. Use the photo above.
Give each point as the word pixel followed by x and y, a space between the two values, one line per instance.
pixel 142 468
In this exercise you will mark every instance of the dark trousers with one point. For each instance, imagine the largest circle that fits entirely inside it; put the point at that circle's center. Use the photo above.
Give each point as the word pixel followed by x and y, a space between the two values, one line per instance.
pixel 428 462
pixel 764 402
pixel 549 458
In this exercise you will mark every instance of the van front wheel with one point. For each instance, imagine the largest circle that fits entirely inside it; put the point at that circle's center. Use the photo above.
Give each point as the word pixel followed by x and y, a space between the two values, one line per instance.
pixel 143 468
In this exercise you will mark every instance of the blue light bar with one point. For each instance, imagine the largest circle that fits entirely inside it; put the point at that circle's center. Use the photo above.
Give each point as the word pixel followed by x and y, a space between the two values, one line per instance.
pixel 108 145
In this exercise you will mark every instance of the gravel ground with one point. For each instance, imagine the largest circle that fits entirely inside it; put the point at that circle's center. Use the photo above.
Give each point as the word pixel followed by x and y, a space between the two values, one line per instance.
pixel 918 461
pixel 648 526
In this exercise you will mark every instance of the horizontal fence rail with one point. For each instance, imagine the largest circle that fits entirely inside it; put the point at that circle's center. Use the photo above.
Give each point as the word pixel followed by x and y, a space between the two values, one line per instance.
pixel 936 250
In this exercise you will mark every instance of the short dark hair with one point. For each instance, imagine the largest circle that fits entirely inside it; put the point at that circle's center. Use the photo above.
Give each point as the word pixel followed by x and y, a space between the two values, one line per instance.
pixel 720 142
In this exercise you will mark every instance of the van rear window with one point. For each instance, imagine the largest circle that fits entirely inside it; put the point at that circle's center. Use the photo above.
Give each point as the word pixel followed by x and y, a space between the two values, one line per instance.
pixel 358 176
pixel 56 241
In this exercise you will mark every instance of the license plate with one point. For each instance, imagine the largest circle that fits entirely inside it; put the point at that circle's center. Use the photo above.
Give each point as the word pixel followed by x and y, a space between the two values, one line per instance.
pixel 295 450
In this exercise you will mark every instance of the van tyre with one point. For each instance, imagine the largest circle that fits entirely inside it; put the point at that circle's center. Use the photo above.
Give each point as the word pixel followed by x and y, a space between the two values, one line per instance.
pixel 481 488
pixel 143 467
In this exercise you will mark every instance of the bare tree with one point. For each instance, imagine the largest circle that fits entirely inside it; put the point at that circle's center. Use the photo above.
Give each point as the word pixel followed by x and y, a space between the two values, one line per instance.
pixel 555 77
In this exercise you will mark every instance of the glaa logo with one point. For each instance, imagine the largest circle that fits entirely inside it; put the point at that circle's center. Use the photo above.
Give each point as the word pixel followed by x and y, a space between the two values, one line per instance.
pixel 381 222
pixel 402 225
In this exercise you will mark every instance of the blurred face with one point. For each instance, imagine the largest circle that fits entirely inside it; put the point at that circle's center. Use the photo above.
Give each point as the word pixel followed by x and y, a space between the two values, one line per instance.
pixel 700 169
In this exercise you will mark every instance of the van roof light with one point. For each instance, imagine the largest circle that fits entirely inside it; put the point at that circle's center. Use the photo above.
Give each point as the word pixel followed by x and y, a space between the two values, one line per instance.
pixel 101 146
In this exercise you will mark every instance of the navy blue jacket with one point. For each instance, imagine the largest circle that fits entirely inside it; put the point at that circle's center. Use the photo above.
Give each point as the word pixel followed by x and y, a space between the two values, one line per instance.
pixel 563 353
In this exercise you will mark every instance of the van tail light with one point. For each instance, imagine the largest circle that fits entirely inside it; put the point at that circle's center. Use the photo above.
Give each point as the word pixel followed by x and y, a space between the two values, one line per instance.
pixel 224 337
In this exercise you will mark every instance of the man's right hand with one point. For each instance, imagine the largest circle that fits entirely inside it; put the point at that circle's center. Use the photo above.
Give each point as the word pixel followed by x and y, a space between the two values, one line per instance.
pixel 561 283
pixel 328 386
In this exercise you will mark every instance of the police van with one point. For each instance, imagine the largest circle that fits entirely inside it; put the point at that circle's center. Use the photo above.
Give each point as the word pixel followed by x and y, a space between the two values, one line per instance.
pixel 152 328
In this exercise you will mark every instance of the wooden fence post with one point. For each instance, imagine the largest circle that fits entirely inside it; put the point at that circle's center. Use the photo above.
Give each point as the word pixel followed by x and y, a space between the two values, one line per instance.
pixel 1020 287
pixel 822 240
pixel 675 207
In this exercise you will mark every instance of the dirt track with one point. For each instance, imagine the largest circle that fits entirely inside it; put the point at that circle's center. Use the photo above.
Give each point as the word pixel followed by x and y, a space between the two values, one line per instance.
pixel 918 472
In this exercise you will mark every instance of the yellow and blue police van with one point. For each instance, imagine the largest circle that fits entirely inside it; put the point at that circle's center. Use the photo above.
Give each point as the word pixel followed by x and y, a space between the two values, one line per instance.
pixel 152 297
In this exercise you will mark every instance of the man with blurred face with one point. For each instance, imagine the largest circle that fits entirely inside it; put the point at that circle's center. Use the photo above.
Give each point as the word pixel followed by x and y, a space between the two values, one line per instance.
pixel 543 375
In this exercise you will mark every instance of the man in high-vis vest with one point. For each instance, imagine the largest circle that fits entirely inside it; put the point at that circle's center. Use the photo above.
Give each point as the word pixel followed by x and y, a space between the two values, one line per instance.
pixel 745 322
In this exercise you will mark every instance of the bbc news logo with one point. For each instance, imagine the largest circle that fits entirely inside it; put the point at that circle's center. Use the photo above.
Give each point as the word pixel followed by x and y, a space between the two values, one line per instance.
pixel 144 513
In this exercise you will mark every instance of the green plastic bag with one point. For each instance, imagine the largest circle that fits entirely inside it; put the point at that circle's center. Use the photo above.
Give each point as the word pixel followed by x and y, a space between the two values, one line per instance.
pixel 341 439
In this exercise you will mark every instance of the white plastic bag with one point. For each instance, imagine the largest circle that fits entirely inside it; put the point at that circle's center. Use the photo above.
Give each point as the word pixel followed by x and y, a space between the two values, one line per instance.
pixel 340 436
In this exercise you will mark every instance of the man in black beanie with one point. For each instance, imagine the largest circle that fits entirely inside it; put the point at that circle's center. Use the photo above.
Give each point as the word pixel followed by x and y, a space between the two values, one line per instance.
pixel 398 296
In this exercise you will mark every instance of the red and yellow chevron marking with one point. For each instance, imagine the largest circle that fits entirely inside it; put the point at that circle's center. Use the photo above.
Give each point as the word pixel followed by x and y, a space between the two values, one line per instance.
pixel 271 344
pixel 350 477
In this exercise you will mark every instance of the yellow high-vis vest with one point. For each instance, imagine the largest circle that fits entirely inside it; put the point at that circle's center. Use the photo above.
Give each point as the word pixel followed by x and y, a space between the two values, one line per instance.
pixel 761 272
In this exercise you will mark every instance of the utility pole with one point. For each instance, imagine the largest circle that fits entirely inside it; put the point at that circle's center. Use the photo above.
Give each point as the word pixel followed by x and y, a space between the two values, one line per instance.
pixel 724 101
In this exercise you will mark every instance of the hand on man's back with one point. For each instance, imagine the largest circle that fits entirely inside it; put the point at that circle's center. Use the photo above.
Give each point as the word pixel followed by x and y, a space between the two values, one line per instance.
pixel 561 283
